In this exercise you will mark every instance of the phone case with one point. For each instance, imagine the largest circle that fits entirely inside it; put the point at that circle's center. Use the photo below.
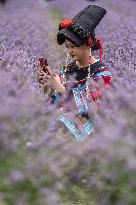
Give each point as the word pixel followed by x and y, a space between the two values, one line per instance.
pixel 44 64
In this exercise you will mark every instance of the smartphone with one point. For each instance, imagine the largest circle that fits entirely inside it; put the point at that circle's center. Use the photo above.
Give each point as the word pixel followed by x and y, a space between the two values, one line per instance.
pixel 44 64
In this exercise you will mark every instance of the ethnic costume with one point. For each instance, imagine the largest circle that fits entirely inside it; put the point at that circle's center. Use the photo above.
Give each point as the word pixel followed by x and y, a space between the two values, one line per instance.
pixel 79 91
pixel 80 30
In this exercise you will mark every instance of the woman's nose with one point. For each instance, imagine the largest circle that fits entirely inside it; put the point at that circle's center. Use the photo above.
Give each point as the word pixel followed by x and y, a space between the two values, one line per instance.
pixel 70 51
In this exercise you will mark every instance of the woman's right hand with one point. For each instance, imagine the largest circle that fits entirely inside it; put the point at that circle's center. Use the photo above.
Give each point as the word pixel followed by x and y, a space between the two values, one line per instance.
pixel 51 80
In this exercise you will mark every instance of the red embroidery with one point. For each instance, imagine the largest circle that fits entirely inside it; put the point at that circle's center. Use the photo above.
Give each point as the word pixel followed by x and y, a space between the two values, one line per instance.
pixel 98 40
pixel 95 95
pixel 66 23
pixel 103 69
pixel 107 80
pixel 90 41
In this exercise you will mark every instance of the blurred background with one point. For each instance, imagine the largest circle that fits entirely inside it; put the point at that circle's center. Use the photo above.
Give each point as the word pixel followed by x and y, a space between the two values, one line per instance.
pixel 40 166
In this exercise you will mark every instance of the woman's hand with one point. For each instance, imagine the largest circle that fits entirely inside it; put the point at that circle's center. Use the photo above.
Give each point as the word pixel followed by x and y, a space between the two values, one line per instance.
pixel 53 80
pixel 42 75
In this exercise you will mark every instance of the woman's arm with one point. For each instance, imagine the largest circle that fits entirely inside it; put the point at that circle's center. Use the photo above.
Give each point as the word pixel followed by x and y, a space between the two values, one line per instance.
pixel 51 81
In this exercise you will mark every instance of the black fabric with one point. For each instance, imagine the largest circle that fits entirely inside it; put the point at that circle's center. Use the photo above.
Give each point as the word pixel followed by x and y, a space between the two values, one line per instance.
pixel 82 73
pixel 87 19
pixel 90 16
pixel 71 36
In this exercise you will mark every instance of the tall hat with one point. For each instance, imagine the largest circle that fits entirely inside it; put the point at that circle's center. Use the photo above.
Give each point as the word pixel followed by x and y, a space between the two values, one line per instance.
pixel 82 26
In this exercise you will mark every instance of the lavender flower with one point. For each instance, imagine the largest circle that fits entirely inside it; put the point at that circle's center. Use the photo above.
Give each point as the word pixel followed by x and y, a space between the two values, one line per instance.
pixel 40 162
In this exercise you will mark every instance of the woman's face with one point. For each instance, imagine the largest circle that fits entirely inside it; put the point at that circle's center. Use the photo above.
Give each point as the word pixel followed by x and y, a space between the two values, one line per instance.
pixel 77 53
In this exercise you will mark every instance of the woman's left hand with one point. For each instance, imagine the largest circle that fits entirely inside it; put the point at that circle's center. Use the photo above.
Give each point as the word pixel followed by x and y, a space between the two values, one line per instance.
pixel 53 80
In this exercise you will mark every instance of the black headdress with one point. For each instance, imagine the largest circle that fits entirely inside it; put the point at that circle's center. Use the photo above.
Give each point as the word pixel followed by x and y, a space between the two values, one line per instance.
pixel 81 27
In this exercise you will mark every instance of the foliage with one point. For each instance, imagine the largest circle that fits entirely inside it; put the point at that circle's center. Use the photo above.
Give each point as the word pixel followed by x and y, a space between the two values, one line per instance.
pixel 40 163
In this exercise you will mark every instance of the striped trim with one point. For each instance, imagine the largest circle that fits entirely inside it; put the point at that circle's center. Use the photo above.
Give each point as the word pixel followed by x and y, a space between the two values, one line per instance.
pixel 88 128
pixel 79 88
pixel 71 126
pixel 105 73
pixel 56 99
pixel 103 69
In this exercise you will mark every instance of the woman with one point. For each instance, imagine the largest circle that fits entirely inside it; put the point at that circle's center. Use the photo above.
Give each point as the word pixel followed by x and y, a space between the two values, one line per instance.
pixel 79 37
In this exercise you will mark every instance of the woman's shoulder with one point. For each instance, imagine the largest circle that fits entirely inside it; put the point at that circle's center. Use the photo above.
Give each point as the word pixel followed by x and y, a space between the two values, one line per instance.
pixel 102 71
pixel 99 68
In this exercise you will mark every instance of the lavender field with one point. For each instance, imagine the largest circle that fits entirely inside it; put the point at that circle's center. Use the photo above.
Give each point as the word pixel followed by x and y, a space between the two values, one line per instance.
pixel 40 164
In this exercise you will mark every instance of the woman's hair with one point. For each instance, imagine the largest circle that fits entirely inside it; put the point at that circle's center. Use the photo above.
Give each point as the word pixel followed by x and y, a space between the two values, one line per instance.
pixel 81 33
pixel 93 42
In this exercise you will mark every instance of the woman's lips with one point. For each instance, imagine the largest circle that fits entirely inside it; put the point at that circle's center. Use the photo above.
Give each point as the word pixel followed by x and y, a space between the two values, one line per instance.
pixel 72 56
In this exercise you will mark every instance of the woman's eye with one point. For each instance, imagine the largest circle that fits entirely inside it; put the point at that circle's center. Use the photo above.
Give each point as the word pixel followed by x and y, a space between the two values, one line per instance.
pixel 70 46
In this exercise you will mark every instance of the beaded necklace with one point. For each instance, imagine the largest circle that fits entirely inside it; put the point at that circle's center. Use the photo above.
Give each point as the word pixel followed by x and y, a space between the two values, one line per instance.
pixel 88 75
pixel 63 78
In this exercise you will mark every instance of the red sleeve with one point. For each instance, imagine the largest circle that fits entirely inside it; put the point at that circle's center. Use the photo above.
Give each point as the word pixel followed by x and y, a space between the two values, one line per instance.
pixel 106 76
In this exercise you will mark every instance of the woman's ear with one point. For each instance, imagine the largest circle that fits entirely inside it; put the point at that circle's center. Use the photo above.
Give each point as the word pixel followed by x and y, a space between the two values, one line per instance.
pixel 88 47
pixel 85 45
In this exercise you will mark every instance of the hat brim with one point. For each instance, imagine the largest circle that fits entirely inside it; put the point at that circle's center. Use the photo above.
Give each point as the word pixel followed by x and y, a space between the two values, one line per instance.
pixel 69 35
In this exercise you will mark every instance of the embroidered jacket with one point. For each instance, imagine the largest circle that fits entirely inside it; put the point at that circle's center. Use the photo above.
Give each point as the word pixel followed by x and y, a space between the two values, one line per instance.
pixel 78 88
